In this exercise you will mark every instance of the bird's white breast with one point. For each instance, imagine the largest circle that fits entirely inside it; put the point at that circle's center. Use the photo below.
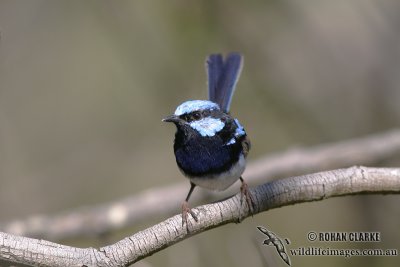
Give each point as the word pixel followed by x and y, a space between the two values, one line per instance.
pixel 223 180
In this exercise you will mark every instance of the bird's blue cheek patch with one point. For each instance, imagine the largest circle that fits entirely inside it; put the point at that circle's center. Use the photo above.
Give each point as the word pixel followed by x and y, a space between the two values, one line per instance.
pixel 207 126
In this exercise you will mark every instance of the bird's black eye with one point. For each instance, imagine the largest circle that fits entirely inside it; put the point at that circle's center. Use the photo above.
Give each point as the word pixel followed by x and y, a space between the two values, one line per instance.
pixel 196 115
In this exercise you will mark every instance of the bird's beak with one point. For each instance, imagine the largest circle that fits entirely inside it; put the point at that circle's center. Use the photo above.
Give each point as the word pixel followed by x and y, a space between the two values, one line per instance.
pixel 172 118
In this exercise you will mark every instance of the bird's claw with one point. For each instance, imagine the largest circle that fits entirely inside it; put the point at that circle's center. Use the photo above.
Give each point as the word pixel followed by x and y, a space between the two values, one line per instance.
pixel 185 210
pixel 245 193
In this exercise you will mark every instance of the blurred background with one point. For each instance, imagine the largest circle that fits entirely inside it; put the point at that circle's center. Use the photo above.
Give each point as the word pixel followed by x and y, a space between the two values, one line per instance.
pixel 84 86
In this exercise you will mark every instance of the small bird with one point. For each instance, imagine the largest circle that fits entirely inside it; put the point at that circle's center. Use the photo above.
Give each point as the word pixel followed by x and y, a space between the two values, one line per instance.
pixel 210 145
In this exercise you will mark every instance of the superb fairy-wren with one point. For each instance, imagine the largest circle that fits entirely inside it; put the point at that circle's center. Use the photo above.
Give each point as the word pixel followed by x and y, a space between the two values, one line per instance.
pixel 210 145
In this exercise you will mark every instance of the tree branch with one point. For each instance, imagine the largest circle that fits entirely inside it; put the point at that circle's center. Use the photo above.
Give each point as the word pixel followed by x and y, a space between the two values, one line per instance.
pixel 278 193
pixel 99 219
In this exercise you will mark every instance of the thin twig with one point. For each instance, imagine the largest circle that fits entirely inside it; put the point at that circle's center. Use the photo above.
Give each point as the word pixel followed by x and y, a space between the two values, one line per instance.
pixel 278 193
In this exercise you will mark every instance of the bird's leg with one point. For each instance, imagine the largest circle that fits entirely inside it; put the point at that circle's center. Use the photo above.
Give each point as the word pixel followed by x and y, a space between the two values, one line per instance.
pixel 186 209
pixel 244 192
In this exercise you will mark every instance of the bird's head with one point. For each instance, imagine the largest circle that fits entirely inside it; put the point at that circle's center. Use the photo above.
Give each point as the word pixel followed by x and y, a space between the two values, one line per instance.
pixel 203 116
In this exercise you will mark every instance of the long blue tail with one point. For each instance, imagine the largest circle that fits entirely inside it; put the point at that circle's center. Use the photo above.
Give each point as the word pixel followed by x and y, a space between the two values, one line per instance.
pixel 223 75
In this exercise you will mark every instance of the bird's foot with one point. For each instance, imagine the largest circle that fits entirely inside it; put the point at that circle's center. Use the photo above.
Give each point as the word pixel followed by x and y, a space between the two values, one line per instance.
pixel 185 210
pixel 245 193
